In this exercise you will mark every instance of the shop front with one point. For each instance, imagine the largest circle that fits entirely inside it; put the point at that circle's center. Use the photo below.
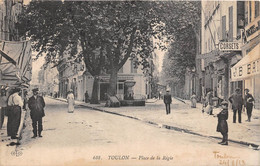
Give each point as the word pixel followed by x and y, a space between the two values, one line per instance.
pixel 247 70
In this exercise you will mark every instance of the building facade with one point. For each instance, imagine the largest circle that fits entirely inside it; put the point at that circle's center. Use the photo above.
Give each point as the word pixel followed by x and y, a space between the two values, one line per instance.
pixel 220 47
pixel 229 56
pixel 48 80
pixel 247 70
pixel 73 75
pixel 9 11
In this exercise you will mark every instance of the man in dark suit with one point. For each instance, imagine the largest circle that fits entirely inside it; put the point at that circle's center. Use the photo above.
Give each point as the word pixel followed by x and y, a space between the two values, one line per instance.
pixel 167 101
pixel 36 104
pixel 237 102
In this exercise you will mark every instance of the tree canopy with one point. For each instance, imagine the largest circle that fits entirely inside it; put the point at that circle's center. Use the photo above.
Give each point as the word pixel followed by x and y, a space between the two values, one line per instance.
pixel 104 34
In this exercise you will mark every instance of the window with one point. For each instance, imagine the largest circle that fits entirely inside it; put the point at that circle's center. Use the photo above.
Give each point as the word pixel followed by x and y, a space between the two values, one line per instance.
pixel 257 8
pixel 250 11
pixel 133 68
pixel 246 12
pixel 230 20
pixel 223 27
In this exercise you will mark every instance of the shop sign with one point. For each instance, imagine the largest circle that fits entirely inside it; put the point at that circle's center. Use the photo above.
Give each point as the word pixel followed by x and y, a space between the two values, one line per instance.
pixel 229 46
pixel 246 70
pixel 252 28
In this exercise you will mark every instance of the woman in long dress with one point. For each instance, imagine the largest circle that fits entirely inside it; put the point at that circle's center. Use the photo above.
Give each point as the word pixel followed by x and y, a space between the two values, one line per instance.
pixel 193 100
pixel 71 101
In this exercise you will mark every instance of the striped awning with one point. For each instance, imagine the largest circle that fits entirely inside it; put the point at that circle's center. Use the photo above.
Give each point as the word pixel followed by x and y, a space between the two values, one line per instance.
pixel 15 62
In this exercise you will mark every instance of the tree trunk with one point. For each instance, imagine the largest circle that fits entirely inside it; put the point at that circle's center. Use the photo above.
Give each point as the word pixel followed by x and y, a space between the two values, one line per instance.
pixel 112 82
pixel 94 96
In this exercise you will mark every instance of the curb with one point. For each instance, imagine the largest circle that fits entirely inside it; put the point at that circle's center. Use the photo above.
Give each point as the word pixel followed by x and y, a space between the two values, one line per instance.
pixel 180 99
pixel 253 145
pixel 151 101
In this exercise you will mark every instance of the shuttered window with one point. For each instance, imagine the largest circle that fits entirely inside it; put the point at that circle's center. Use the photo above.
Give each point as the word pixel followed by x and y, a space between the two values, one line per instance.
pixel 257 9
pixel 230 20
pixel 223 27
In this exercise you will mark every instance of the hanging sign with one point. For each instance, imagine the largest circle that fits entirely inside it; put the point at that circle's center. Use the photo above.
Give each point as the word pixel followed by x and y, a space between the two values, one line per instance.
pixel 229 46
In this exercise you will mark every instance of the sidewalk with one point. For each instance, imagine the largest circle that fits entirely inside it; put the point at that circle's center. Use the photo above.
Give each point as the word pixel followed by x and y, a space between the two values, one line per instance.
pixel 188 120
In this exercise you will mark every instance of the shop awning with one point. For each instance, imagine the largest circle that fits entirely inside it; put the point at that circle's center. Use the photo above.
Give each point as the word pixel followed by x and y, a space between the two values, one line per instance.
pixel 248 66
pixel 15 62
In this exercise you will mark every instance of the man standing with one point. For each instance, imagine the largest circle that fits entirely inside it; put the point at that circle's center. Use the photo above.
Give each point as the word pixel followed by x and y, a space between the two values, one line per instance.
pixel 15 104
pixel 167 101
pixel 248 102
pixel 86 97
pixel 237 102
pixel 36 104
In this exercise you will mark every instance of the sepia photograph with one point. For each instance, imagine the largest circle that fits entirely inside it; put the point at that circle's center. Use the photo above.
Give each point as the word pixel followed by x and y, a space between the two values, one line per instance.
pixel 129 83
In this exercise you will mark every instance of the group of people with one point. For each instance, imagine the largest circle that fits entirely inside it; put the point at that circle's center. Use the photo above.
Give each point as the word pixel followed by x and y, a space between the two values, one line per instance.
pixel 12 106
pixel 236 101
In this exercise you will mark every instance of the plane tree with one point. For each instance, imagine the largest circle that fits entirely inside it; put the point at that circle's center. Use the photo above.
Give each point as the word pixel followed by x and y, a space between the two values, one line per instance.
pixel 103 34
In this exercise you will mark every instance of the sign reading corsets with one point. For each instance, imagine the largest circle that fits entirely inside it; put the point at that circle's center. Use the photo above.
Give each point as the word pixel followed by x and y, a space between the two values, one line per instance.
pixel 229 46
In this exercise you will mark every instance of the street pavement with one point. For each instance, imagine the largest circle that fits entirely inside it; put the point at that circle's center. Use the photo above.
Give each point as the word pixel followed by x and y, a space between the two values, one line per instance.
pixel 90 137
pixel 191 120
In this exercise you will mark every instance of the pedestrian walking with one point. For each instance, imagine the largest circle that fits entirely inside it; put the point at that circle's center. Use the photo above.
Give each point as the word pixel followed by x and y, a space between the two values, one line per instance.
pixel 209 102
pixel 71 101
pixel 248 103
pixel 15 104
pixel 193 100
pixel 36 104
pixel 167 101
pixel 3 105
pixel 237 102
pixel 222 126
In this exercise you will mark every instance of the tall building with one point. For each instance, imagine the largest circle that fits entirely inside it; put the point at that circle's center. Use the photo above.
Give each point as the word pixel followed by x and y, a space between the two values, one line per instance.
pixel 229 58
pixel 220 47
pixel 247 70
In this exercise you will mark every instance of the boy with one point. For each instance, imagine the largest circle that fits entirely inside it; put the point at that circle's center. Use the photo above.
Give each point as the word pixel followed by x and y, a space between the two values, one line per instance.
pixel 248 104
pixel 222 123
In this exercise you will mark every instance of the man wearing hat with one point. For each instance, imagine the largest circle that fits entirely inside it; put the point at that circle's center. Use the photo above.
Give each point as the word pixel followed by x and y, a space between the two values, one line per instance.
pixel 237 102
pixel 36 104
pixel 222 123
pixel 167 99
pixel 248 102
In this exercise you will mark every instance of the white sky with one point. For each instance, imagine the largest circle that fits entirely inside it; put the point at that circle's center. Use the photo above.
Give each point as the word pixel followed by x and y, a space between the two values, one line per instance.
pixel 160 55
